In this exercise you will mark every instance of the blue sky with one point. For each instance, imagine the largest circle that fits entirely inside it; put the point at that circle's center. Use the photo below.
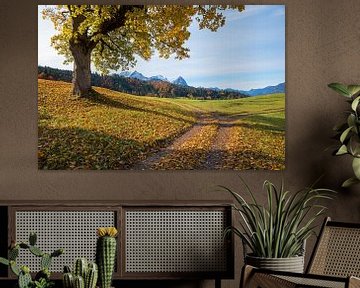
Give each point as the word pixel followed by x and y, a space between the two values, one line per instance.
pixel 248 52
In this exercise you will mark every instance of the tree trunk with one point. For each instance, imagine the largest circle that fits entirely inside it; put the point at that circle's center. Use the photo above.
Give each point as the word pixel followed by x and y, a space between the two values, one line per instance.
pixel 81 78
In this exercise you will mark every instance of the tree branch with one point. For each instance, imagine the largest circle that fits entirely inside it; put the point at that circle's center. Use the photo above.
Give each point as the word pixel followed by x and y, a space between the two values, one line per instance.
pixel 118 20
pixel 107 45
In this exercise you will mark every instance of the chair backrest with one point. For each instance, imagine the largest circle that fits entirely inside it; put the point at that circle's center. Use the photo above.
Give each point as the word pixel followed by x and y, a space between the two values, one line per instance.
pixel 337 251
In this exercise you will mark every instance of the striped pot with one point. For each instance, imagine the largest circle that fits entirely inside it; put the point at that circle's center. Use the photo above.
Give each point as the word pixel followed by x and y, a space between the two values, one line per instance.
pixel 291 264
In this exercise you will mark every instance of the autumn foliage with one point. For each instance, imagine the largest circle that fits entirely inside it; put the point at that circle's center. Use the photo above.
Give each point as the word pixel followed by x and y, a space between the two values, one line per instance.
pixel 109 36
pixel 110 130
pixel 113 130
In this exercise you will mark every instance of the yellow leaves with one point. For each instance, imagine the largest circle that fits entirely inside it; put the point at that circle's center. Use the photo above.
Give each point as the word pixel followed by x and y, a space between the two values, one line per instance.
pixel 192 152
pixel 106 231
pixel 119 32
pixel 110 131
pixel 113 130
pixel 252 148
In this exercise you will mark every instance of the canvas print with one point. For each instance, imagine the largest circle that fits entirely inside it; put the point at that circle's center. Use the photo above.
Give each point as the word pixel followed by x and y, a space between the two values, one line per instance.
pixel 161 87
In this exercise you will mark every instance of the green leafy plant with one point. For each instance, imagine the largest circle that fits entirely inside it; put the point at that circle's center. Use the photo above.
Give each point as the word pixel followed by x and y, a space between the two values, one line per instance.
pixel 43 283
pixel 349 131
pixel 42 278
pixel 280 229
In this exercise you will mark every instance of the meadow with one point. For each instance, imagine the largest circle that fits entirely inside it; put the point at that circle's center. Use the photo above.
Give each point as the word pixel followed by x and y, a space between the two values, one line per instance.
pixel 114 130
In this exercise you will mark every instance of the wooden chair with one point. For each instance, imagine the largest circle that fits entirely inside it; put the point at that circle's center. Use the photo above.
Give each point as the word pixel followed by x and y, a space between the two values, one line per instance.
pixel 335 262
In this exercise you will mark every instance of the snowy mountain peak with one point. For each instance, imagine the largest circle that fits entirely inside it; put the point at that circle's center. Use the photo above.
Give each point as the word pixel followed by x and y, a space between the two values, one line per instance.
pixel 180 81
pixel 138 75
pixel 158 78
pixel 125 73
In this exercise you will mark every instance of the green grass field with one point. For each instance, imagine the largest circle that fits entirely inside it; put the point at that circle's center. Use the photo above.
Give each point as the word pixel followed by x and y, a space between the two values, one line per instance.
pixel 258 104
pixel 114 130
pixel 267 110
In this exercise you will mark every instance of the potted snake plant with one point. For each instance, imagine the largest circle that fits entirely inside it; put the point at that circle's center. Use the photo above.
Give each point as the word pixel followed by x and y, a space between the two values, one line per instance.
pixel 349 131
pixel 274 234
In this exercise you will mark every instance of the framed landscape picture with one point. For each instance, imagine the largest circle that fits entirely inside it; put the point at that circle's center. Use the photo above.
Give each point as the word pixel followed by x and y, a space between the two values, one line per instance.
pixel 161 87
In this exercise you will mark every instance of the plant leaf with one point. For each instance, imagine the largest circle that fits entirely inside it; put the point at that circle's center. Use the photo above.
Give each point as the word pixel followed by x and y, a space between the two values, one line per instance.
pixel 14 268
pixel 354 145
pixel 340 88
pixel 353 89
pixel 355 103
pixel 345 134
pixel 340 127
pixel 356 167
pixel 351 120
pixel 4 261
pixel 349 182
pixel 342 150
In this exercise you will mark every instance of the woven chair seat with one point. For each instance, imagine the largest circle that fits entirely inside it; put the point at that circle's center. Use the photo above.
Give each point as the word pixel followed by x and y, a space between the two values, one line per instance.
pixel 335 262
pixel 313 282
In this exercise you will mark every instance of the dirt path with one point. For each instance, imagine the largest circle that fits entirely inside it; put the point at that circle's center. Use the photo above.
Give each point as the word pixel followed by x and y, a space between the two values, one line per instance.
pixel 218 151
pixel 175 145
pixel 216 147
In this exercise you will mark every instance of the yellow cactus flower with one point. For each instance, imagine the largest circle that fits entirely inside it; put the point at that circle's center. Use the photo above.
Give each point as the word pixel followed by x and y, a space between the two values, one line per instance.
pixel 107 231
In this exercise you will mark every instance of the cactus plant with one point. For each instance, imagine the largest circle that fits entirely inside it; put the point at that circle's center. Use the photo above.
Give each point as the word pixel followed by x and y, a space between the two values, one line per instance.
pixel 91 276
pixel 79 282
pixel 4 261
pixel 45 261
pixel 14 268
pixel 42 278
pixel 105 254
pixel 13 253
pixel 32 239
pixel 24 277
pixel 68 280
pixel 36 251
pixel 80 267
pixel 84 274
pixel 43 274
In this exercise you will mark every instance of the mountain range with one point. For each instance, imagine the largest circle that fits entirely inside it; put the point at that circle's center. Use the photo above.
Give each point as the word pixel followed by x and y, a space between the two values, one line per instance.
pixel 137 84
pixel 137 75
pixel 280 88
pixel 158 86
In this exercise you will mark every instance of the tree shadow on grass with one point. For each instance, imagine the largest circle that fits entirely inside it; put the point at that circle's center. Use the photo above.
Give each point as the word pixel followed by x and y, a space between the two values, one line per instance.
pixel 101 99
pixel 75 148
pixel 274 125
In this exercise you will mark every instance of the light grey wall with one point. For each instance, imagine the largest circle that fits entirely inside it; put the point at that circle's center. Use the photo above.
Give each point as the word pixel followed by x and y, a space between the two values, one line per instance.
pixel 323 40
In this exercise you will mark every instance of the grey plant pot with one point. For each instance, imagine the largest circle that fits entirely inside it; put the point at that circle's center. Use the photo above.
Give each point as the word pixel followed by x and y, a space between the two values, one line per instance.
pixel 291 264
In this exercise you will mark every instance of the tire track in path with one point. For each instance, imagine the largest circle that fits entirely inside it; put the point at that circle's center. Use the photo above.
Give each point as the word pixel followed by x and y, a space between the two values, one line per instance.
pixel 210 154
pixel 218 151
pixel 150 162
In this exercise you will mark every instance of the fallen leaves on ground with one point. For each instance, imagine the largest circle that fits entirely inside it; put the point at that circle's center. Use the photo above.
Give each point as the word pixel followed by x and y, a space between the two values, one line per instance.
pixel 111 130
pixel 251 148
pixel 192 153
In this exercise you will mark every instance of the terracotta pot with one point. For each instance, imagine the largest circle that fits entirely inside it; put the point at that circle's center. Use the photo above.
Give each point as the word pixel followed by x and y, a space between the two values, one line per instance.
pixel 291 264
